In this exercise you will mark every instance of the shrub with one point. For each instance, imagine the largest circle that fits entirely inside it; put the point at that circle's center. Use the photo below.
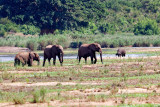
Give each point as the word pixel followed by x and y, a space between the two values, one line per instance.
pixel 2 33
pixel 64 41
pixel 39 95
pixel 156 43
pixel 141 44
pixel 107 28
pixel 19 99
pixel 146 27
pixel 114 44
pixel 5 21
pixel 42 45
pixel 32 45
pixel 75 44
pixel 29 29
pixel 105 44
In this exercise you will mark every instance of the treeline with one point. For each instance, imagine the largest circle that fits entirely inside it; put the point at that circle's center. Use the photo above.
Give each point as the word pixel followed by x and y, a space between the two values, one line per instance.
pixel 93 16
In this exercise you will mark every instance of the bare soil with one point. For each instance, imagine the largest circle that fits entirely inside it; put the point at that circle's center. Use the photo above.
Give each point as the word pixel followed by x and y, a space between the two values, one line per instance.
pixel 119 81
pixel 8 49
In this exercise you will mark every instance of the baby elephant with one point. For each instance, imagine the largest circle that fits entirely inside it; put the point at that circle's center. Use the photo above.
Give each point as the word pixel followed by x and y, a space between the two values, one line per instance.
pixel 121 52
pixel 26 58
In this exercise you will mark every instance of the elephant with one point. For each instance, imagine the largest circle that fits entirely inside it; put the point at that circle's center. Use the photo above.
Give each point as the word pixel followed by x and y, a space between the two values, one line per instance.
pixel 51 51
pixel 121 52
pixel 26 58
pixel 87 50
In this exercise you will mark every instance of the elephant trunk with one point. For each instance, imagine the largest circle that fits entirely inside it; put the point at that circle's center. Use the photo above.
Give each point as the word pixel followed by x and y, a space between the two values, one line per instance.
pixel 101 55
pixel 61 57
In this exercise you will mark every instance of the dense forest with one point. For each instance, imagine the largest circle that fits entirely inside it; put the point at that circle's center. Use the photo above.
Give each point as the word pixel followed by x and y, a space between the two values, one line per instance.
pixel 107 16
pixel 93 17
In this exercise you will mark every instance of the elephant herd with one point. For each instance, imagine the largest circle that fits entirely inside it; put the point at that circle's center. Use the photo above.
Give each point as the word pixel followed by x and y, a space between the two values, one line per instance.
pixel 51 51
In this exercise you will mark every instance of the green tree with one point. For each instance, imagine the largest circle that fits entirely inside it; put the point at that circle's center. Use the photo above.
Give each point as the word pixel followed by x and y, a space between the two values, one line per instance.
pixel 146 27
pixel 53 14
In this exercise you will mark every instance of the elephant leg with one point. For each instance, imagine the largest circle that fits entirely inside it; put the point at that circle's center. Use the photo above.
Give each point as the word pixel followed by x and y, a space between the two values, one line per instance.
pixel 54 59
pixel 49 61
pixel 23 64
pixel 19 62
pixel 59 57
pixel 79 59
pixel 94 56
pixel 44 60
pixel 85 59
pixel 15 62
pixel 22 61
pixel 91 59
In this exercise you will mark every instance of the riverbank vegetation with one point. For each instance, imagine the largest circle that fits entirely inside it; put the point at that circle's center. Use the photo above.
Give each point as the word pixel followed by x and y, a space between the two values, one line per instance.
pixel 75 39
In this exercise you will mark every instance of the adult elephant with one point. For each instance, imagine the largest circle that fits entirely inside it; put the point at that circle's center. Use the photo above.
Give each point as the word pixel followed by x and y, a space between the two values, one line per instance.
pixel 51 51
pixel 121 52
pixel 26 58
pixel 87 50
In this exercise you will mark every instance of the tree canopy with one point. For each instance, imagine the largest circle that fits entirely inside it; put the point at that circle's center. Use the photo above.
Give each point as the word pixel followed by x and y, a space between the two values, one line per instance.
pixel 53 14
pixel 105 16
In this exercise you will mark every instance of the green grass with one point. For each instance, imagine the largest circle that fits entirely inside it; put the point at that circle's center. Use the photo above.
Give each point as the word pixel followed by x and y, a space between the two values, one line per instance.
pixel 71 71
pixel 106 41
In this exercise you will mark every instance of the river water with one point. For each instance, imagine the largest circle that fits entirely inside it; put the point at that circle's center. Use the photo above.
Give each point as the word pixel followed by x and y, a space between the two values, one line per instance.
pixel 5 58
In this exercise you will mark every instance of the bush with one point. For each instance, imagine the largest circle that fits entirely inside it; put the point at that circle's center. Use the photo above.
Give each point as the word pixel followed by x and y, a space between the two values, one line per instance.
pixel 114 44
pixel 156 43
pixel 29 29
pixel 2 33
pixel 19 99
pixel 141 44
pixel 42 45
pixel 64 41
pixel 5 21
pixel 75 44
pixel 146 27
pixel 39 95
pixel 107 28
pixel 32 45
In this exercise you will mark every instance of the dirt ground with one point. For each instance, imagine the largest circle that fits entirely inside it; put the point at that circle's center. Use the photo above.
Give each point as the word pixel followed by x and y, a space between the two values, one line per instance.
pixel 118 81
pixel 7 49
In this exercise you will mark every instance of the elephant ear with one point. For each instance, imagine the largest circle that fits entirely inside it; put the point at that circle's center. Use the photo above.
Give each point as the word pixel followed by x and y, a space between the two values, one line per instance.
pixel 92 47
pixel 58 49
pixel 36 55
pixel 31 55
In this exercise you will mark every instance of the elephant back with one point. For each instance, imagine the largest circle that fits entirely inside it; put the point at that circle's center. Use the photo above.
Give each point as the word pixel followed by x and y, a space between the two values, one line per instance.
pixel 56 49
pixel 24 55
pixel 121 51
pixel 47 51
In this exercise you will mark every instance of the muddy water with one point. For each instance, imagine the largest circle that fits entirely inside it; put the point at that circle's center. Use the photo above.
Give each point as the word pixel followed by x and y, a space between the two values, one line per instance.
pixel 5 58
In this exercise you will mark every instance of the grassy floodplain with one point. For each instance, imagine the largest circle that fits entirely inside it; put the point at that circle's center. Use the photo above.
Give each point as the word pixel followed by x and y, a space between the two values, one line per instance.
pixel 117 82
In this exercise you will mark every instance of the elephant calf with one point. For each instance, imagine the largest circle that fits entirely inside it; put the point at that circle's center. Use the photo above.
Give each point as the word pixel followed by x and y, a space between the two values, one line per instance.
pixel 121 52
pixel 26 58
